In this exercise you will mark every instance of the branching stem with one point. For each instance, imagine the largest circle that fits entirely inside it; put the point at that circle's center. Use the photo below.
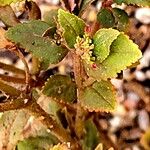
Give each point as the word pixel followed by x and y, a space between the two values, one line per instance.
pixel 27 72
pixel 54 127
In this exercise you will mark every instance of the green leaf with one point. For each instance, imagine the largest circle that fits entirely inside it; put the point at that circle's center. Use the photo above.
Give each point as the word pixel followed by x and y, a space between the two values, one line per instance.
pixel 29 36
pixel 50 16
pixel 134 2
pixel 50 106
pixel 7 16
pixel 91 138
pixel 71 25
pixel 123 52
pixel 122 19
pixel 7 2
pixel 60 87
pixel 106 18
pixel 100 96
pixel 84 5
pixel 102 41
pixel 38 143
pixel 35 27
pixel 12 124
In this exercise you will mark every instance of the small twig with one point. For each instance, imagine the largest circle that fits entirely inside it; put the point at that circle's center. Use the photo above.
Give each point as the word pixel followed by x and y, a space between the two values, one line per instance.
pixel 12 69
pixel 27 72
pixel 20 55
pixel 9 89
pixel 77 70
pixel 54 127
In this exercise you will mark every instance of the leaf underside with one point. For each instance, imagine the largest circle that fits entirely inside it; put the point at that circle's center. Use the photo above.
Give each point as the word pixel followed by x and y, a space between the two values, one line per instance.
pixel 99 97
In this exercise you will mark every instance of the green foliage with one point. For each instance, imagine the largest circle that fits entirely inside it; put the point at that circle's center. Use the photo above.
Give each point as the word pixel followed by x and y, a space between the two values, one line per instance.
pixel 11 126
pixel 91 137
pixel 38 143
pixel 106 18
pixel 121 18
pixel 102 41
pixel 122 53
pixel 134 2
pixel 100 96
pixel 29 36
pixel 114 18
pixel 7 2
pixel 60 87
pixel 50 16
pixel 72 26
pixel 63 103
pixel 52 106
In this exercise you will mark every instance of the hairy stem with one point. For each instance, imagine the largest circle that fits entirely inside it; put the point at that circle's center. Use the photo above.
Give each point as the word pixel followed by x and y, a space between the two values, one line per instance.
pixel 77 70
pixel 78 73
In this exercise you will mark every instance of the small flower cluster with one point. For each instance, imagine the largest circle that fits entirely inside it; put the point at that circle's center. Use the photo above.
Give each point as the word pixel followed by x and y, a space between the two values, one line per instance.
pixel 84 48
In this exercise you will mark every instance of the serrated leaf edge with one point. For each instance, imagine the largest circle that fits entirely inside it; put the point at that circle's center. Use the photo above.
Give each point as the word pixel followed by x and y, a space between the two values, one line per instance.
pixel 111 43
pixel 129 64
pixel 101 110
pixel 60 13
pixel 60 101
